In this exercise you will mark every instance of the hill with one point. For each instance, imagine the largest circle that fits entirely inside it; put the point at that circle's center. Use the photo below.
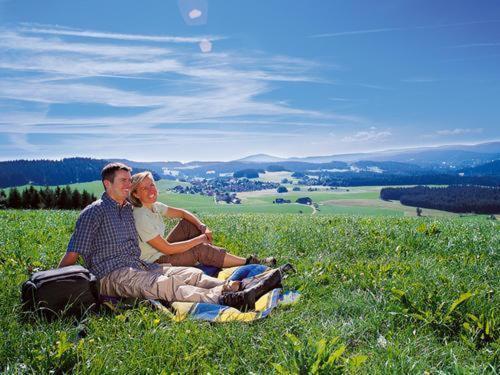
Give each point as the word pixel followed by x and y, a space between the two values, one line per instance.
pixel 52 172
pixel 379 295
pixel 488 169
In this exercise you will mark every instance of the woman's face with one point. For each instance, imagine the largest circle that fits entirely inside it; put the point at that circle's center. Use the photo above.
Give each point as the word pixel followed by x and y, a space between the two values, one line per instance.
pixel 147 192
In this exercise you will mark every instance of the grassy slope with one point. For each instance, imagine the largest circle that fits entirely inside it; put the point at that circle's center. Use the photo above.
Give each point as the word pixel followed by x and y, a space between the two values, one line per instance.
pixel 347 267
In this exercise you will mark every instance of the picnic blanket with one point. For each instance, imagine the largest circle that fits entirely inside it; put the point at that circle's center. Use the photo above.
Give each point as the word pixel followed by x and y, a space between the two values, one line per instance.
pixel 179 311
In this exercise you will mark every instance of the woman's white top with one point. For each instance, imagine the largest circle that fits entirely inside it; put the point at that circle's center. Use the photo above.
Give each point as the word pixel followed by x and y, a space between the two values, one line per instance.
pixel 149 224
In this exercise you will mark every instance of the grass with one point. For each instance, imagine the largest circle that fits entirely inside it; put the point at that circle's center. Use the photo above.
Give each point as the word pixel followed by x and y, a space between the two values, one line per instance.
pixel 379 295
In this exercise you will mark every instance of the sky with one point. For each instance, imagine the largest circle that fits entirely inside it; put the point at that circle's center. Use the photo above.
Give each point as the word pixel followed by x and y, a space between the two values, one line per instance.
pixel 165 80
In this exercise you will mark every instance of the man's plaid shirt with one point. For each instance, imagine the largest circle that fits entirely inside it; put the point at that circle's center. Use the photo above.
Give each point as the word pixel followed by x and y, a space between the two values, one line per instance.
pixel 106 238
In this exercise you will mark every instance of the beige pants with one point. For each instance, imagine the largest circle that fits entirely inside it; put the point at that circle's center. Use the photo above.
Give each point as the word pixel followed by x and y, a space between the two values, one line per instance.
pixel 183 284
pixel 205 253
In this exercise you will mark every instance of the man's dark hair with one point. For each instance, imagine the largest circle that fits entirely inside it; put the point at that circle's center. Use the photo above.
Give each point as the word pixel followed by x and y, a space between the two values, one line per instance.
pixel 108 172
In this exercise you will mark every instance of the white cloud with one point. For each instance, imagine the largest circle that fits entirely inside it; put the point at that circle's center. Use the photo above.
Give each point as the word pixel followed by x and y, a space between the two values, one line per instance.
pixel 367 136
pixel 17 42
pixel 164 88
pixel 475 45
pixel 391 29
pixel 51 30
pixel 459 131
pixel 419 80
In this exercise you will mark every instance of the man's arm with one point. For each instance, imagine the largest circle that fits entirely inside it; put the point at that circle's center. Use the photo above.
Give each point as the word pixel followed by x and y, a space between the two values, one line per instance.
pixel 80 243
pixel 68 259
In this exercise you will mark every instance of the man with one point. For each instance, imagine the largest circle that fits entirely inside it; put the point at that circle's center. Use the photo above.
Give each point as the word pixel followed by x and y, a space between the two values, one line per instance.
pixel 106 238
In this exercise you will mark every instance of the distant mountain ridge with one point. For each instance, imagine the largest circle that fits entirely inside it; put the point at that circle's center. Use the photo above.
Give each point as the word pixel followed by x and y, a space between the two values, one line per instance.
pixel 468 160
pixel 423 156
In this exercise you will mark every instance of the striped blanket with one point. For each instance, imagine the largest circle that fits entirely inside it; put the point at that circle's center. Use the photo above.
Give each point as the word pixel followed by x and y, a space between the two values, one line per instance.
pixel 218 313
pixel 179 311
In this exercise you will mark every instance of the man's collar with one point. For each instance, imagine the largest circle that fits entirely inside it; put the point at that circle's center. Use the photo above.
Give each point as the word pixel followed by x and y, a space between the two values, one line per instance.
pixel 110 201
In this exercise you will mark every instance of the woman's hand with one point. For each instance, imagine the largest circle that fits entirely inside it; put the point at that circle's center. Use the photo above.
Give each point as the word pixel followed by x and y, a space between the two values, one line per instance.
pixel 208 233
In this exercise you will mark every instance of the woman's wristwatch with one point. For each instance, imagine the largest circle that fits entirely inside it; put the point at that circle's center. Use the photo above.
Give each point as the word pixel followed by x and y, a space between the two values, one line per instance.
pixel 202 228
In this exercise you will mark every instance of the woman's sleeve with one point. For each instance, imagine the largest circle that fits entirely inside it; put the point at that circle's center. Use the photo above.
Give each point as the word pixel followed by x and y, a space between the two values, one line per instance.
pixel 161 208
pixel 145 228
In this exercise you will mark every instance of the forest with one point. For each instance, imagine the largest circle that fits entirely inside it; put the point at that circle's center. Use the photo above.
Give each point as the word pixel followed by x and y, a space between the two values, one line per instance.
pixel 455 198
pixel 46 198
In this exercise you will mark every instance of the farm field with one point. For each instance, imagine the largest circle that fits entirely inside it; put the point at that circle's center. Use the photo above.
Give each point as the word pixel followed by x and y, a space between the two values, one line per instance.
pixel 379 295
pixel 276 176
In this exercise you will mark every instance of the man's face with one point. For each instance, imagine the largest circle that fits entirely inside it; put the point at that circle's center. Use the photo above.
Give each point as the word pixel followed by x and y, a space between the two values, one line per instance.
pixel 120 187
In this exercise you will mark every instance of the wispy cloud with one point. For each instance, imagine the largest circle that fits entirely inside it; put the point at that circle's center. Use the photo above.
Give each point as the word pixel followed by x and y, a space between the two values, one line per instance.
pixel 475 45
pixel 16 42
pixel 367 136
pixel 49 66
pixel 419 80
pixel 357 32
pixel 391 29
pixel 459 131
pixel 51 30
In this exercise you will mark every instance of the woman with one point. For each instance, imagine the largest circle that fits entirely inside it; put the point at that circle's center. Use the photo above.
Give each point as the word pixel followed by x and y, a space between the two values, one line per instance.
pixel 187 244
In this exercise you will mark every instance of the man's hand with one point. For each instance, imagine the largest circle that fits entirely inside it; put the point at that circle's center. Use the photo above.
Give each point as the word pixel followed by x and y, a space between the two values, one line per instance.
pixel 68 259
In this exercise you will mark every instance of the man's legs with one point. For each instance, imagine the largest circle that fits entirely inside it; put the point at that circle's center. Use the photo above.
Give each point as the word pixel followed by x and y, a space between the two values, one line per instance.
pixel 183 284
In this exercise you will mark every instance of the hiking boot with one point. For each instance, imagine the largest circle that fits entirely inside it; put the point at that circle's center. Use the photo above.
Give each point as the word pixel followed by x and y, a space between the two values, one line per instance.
pixel 263 283
pixel 244 300
pixel 287 268
pixel 269 261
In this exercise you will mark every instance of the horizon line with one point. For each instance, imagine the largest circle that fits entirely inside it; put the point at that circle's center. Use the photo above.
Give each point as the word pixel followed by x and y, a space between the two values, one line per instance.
pixel 244 157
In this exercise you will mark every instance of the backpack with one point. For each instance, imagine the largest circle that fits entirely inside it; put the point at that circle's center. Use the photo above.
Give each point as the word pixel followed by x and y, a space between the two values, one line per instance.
pixel 65 291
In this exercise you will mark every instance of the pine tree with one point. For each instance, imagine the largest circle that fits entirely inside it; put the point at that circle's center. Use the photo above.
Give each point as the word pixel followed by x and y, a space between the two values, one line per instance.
pixel 76 200
pixel 63 199
pixel 48 198
pixel 25 199
pixel 57 195
pixel 69 194
pixel 3 199
pixel 14 200
pixel 35 198
pixel 86 199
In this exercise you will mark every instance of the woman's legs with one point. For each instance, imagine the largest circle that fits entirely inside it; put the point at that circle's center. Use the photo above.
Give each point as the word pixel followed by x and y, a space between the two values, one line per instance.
pixel 207 254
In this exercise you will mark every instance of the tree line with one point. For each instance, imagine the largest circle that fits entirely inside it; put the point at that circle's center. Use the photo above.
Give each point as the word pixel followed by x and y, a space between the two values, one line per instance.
pixel 46 198
pixel 50 172
pixel 456 198
pixel 382 179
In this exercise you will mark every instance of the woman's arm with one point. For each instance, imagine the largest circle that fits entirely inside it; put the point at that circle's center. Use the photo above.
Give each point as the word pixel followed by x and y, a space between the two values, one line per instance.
pixel 162 245
pixel 179 213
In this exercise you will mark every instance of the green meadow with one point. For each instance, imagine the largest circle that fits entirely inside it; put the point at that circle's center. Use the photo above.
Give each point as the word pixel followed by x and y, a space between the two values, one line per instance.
pixel 396 295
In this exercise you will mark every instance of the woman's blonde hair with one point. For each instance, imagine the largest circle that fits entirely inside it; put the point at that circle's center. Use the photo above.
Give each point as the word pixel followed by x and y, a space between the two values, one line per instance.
pixel 136 180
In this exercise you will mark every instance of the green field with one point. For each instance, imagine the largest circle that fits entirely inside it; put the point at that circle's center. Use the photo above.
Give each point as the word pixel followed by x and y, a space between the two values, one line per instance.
pixel 379 295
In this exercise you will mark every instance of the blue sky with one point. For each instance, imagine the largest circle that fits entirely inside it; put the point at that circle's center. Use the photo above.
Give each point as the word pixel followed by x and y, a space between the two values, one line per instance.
pixel 222 79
